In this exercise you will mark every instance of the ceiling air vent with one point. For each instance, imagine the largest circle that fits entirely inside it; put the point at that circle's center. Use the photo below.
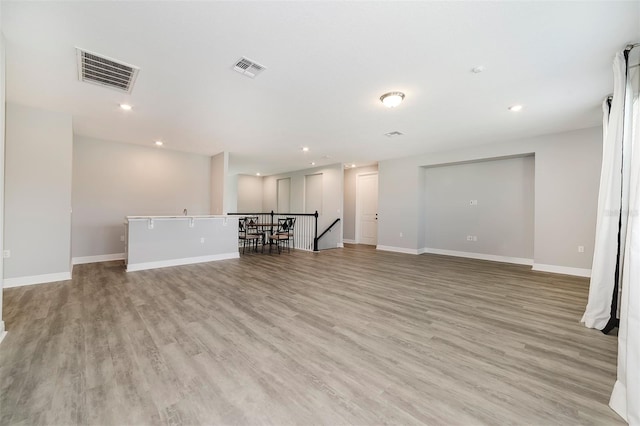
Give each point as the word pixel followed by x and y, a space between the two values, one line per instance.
pixel 106 72
pixel 393 134
pixel 248 67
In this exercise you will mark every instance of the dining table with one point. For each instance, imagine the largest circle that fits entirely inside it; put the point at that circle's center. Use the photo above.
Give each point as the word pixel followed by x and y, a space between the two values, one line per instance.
pixel 265 226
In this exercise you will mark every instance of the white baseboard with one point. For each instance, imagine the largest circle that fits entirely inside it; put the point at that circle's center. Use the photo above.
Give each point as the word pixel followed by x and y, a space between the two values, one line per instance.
pixel 347 241
pixel 100 258
pixel 132 267
pixel 397 249
pixel 340 245
pixel 566 270
pixel 36 279
pixel 481 256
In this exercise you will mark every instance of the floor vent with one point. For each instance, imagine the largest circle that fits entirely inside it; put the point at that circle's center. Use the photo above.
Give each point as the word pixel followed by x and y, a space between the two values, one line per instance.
pixel 248 67
pixel 106 72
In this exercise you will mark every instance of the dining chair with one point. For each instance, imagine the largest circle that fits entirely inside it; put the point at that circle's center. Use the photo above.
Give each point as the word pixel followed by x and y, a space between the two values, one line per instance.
pixel 242 233
pixel 291 223
pixel 255 232
pixel 248 232
pixel 280 236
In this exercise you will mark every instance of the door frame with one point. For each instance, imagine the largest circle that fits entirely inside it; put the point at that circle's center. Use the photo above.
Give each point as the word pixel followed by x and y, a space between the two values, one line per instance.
pixel 358 207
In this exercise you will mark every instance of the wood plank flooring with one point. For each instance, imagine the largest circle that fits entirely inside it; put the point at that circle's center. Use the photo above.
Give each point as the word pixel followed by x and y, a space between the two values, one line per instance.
pixel 344 336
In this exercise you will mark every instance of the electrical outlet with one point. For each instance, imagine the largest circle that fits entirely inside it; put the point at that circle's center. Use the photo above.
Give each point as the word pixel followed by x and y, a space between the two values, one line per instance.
pixel 473 202
pixel 202 240
pixel 469 238
pixel 401 235
pixel 6 254
pixel 580 249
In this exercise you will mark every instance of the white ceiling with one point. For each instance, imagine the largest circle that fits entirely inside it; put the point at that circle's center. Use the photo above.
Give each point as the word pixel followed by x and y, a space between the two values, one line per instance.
pixel 328 63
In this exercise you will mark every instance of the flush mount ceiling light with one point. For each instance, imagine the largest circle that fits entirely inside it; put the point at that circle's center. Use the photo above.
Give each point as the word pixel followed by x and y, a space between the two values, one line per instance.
pixel 305 149
pixel 515 108
pixel 392 99
pixel 126 107
pixel 258 174
pixel 158 143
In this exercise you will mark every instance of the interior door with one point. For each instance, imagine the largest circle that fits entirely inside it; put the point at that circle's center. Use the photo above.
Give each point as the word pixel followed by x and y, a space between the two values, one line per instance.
pixel 367 209
pixel 313 193
pixel 284 195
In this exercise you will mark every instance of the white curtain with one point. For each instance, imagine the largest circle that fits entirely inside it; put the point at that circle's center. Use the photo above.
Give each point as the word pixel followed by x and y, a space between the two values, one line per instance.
pixel 625 398
pixel 605 254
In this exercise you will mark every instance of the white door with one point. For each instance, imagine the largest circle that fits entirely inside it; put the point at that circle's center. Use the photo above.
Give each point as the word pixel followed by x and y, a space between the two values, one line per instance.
pixel 284 195
pixel 367 209
pixel 313 193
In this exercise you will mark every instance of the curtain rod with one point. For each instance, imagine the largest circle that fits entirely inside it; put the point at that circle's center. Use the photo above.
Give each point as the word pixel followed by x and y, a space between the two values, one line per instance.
pixel 628 49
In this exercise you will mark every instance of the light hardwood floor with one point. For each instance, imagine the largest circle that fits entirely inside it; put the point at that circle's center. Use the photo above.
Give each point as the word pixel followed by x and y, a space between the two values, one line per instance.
pixel 344 336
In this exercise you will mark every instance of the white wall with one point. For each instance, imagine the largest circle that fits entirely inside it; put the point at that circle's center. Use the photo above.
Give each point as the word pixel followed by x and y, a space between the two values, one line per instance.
pixel 37 195
pixel 180 241
pixel 567 184
pixel 230 201
pixel 332 196
pixel 2 127
pixel 502 220
pixel 567 171
pixel 112 180
pixel 249 194
pixel 219 167
pixel 350 177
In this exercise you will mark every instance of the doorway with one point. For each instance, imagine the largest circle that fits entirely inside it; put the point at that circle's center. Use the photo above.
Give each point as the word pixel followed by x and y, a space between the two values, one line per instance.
pixel 367 208
pixel 284 195
pixel 313 193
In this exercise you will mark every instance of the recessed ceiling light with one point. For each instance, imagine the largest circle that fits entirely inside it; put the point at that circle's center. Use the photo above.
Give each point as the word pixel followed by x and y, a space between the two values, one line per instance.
pixel 158 143
pixel 478 69
pixel 515 108
pixel 126 107
pixel 258 174
pixel 313 163
pixel 353 165
pixel 392 99
pixel 305 149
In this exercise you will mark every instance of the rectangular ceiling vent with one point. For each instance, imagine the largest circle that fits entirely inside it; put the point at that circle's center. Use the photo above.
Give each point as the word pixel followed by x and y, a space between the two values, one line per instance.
pixel 106 72
pixel 393 134
pixel 248 67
